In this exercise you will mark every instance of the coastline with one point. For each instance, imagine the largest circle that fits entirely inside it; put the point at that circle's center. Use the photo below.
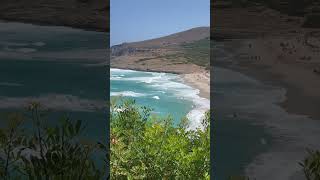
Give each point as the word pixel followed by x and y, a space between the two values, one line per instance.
pixel 197 80
pixel 293 116
pixel 190 94
pixel 280 69
pixel 275 49
pixel 292 134
pixel 200 81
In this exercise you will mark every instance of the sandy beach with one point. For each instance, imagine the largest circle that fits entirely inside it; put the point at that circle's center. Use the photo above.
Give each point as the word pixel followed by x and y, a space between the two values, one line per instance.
pixel 292 64
pixel 199 80
pixel 192 74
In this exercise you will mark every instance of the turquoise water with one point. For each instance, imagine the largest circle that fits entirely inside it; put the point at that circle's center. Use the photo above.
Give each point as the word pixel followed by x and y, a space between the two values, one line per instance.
pixel 164 92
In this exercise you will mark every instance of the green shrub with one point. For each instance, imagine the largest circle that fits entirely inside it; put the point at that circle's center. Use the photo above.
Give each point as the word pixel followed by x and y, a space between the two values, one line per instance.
pixel 53 153
pixel 147 147
pixel 311 165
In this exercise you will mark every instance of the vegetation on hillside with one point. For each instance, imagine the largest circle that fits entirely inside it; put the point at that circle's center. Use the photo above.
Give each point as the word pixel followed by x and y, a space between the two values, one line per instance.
pixel 198 52
pixel 144 146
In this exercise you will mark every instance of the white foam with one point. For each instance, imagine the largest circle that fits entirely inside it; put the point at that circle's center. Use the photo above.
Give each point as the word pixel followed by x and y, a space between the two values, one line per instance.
pixel 166 82
pixel 148 79
pixel 195 117
pixel 127 94
pixel 115 70
pixel 115 77
pixel 155 97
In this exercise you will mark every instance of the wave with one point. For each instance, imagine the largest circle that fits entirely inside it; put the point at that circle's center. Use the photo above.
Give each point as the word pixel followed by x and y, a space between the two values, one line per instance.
pixel 155 97
pixel 186 92
pixel 115 77
pixel 127 94
pixel 170 84
pixel 115 70
pixel 197 114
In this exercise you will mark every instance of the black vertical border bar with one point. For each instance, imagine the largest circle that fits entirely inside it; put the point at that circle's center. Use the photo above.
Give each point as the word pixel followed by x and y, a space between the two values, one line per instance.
pixel 107 92
pixel 212 124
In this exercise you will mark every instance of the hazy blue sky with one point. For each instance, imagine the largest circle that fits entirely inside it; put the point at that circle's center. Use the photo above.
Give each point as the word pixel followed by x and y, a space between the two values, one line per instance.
pixel 136 20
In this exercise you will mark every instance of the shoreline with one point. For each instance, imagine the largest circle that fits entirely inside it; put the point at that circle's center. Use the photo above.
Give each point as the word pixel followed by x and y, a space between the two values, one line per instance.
pixel 297 78
pixel 287 131
pixel 200 81
pixel 199 103
pixel 194 80
pixel 289 123
pixel 275 49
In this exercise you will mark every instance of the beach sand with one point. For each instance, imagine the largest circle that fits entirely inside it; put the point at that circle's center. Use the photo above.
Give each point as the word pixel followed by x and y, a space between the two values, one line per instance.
pixel 192 74
pixel 284 61
pixel 199 80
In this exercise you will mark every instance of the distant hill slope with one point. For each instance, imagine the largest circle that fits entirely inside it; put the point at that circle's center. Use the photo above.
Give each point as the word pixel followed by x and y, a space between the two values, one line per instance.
pixel 182 52
pixel 188 36
pixel 170 41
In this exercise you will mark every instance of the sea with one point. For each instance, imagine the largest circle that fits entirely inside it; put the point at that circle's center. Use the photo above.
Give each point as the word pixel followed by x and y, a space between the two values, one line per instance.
pixel 165 93
pixel 58 67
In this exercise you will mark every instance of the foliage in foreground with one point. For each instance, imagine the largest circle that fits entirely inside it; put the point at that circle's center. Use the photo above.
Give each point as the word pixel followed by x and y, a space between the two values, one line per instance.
pixel 51 153
pixel 311 165
pixel 148 147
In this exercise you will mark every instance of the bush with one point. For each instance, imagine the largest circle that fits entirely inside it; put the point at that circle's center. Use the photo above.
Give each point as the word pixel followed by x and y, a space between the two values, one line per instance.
pixel 148 147
pixel 48 152
pixel 311 165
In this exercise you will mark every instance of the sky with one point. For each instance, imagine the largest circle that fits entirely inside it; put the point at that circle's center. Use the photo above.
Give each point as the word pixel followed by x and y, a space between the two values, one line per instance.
pixel 137 20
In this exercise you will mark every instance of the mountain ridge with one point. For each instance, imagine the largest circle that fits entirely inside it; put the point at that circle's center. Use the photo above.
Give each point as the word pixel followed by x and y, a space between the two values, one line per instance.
pixel 169 41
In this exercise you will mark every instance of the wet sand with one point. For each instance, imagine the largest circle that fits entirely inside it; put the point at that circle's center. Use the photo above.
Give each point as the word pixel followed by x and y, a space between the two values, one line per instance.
pixel 199 80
